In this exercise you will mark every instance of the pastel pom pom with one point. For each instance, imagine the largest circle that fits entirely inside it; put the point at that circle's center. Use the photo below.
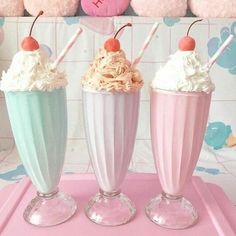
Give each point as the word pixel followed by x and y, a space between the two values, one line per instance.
pixel 104 7
pixel 159 8
pixel 11 8
pixel 213 8
pixel 52 7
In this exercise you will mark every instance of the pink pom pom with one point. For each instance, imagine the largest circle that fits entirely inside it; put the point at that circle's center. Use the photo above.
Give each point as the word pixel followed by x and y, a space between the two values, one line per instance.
pixel 160 8
pixel 213 8
pixel 52 7
pixel 11 8
pixel 104 7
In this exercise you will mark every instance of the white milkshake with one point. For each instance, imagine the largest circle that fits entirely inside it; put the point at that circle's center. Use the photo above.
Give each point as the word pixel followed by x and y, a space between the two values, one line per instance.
pixel 111 97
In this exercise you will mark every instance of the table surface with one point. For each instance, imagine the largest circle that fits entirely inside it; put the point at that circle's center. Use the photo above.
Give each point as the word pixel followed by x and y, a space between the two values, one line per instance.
pixel 216 213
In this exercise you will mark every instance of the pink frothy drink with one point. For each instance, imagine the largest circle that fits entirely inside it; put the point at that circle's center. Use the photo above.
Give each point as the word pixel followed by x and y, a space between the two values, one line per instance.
pixel 178 123
pixel 180 101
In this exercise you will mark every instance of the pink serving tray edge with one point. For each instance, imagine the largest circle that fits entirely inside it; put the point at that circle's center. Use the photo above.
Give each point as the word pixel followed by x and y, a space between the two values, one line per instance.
pixel 220 210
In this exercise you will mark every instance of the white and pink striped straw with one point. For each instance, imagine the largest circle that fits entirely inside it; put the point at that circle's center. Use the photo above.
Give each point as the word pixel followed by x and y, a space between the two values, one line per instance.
pixel 66 49
pixel 146 43
pixel 220 51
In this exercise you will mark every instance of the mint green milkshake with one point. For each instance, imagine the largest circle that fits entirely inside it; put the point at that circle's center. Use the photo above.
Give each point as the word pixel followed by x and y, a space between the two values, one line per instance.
pixel 36 102
pixel 39 124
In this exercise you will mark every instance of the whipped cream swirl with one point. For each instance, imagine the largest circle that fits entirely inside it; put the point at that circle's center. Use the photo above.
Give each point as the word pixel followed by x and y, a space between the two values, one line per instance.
pixel 31 70
pixel 184 72
pixel 111 71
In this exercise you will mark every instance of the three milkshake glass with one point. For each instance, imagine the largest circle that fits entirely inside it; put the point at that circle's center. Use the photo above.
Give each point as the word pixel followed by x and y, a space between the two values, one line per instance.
pixel 178 121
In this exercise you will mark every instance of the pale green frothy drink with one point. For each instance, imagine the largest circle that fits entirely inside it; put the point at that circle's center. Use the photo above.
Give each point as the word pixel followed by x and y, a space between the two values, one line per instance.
pixel 39 124
pixel 36 102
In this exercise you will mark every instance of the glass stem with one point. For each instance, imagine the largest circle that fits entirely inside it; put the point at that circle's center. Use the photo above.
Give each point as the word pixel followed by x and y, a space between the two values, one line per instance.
pixel 109 194
pixel 48 195
pixel 171 197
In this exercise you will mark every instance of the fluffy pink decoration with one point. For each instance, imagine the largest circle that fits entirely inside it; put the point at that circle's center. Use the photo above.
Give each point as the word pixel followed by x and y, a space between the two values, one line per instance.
pixel 52 7
pixel 104 7
pixel 160 8
pixel 11 8
pixel 213 8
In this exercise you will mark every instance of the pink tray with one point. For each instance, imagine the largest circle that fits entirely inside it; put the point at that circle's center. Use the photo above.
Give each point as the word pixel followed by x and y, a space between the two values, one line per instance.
pixel 217 214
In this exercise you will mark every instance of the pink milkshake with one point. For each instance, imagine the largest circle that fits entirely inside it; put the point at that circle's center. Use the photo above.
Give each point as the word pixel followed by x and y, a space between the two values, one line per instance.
pixel 180 102
pixel 178 123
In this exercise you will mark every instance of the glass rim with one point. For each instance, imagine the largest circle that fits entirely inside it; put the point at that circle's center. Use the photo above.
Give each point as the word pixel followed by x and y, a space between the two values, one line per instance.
pixel 108 92
pixel 184 93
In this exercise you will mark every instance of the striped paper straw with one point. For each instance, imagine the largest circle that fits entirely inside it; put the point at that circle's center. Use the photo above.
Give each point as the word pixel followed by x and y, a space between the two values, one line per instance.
pixel 146 43
pixel 69 45
pixel 220 51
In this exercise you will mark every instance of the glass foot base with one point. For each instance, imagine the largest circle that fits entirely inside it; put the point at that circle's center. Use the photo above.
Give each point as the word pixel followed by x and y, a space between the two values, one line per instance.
pixel 110 209
pixel 49 210
pixel 171 212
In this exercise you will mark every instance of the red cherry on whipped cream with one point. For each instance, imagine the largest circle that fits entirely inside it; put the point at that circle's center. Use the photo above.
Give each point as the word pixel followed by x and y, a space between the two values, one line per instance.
pixel 188 43
pixel 29 43
pixel 113 44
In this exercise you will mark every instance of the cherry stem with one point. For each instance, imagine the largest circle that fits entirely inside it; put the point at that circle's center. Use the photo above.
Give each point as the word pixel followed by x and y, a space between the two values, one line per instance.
pixel 127 25
pixel 192 25
pixel 32 26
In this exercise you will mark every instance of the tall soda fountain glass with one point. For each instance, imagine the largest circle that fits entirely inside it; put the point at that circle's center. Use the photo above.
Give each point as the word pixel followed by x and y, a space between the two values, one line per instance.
pixel 111 95
pixel 178 122
pixel 36 102
pixel 180 102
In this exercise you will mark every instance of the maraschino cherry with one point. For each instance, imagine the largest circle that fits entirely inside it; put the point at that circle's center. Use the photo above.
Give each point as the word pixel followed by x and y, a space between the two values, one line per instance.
pixel 188 43
pixel 29 43
pixel 113 44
